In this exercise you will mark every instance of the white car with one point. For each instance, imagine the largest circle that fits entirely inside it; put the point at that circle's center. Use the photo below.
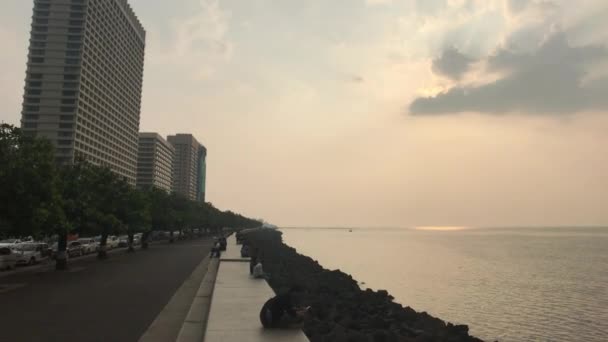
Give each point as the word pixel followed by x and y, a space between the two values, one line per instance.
pixel 89 244
pixel 9 243
pixel 30 253
pixel 8 258
pixel 112 242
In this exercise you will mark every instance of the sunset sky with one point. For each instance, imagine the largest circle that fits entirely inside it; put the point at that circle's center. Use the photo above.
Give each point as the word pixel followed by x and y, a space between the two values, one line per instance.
pixel 377 112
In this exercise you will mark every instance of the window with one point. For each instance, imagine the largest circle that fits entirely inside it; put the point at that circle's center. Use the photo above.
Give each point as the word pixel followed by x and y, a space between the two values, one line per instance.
pixel 69 93
pixel 35 84
pixel 41 21
pixel 32 100
pixel 74 38
pixel 30 125
pixel 34 92
pixel 36 76
pixel 39 36
pixel 73 45
pixel 31 116
pixel 37 60
pixel 70 69
pixel 66 126
pixel 66 117
pixel 74 30
pixel 41 29
pixel 70 85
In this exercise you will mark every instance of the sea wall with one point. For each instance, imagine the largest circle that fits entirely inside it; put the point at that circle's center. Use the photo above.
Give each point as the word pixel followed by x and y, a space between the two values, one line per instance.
pixel 341 311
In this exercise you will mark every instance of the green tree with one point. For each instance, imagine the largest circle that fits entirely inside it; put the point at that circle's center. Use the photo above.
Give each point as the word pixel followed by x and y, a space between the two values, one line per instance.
pixel 29 191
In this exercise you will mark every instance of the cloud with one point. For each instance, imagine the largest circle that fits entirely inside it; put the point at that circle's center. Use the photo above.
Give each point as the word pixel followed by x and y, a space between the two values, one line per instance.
pixel 452 64
pixel 199 42
pixel 378 2
pixel 556 79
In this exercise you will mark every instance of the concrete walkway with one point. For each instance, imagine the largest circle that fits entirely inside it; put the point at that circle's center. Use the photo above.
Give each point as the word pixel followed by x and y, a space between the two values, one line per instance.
pixel 236 303
pixel 233 251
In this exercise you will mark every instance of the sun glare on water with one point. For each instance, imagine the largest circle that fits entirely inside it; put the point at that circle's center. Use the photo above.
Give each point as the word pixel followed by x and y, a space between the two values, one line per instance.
pixel 440 228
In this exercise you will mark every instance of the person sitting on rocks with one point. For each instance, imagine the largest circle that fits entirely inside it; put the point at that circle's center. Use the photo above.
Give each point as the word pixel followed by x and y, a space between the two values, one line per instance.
pixel 282 311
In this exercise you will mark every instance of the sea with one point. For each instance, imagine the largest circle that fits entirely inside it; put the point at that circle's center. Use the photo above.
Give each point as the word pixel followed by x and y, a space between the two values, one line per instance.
pixel 506 284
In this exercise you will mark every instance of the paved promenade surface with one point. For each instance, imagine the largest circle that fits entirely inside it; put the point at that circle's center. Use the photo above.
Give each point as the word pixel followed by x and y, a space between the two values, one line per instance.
pixel 233 251
pixel 114 300
pixel 236 303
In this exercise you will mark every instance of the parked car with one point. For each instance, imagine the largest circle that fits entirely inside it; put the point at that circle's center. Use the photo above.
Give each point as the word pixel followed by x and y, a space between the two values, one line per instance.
pixel 8 258
pixel 137 239
pixel 89 245
pixel 30 253
pixel 74 249
pixel 158 235
pixel 123 241
pixel 112 242
pixel 9 242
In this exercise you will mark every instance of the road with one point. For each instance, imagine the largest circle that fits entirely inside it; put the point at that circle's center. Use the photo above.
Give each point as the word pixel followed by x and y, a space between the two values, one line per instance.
pixel 113 300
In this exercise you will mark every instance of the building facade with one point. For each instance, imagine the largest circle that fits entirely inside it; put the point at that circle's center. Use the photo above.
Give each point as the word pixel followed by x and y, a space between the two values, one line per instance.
pixel 84 81
pixel 189 166
pixel 154 162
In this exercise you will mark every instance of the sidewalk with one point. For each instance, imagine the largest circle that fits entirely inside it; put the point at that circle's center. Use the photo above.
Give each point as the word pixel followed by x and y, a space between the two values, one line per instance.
pixel 236 302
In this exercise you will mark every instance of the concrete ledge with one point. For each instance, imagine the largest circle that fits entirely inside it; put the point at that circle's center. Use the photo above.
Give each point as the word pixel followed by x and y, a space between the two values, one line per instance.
pixel 236 260
pixel 170 322
pixel 194 325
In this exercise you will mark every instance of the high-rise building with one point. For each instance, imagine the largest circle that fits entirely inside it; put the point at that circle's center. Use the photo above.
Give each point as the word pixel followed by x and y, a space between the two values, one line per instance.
pixel 189 166
pixel 84 81
pixel 155 162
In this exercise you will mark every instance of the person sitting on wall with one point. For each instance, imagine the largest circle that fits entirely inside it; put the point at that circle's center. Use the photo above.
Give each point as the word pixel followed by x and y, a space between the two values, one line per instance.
pixel 282 311
pixel 215 250
pixel 245 251
pixel 254 254
pixel 223 243
pixel 258 271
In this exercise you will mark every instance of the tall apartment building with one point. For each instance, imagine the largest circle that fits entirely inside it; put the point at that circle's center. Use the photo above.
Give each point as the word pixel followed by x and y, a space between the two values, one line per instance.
pixel 84 81
pixel 189 166
pixel 155 162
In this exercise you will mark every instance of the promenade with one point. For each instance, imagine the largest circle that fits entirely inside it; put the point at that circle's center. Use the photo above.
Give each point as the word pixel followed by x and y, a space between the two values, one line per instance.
pixel 236 303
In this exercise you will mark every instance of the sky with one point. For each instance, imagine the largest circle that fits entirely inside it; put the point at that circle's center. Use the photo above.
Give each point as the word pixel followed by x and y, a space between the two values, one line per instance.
pixel 377 113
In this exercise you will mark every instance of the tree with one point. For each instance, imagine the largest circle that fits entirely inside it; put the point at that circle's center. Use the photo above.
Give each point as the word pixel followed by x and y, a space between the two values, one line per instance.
pixel 29 192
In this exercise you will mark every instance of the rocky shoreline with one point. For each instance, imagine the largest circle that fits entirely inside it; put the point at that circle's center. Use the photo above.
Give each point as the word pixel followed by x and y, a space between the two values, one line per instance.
pixel 341 311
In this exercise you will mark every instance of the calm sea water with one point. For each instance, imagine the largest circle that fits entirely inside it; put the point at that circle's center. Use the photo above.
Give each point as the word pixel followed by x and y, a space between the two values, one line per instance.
pixel 506 284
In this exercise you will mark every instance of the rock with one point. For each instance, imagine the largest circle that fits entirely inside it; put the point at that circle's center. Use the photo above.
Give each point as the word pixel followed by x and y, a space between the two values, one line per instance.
pixel 341 311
